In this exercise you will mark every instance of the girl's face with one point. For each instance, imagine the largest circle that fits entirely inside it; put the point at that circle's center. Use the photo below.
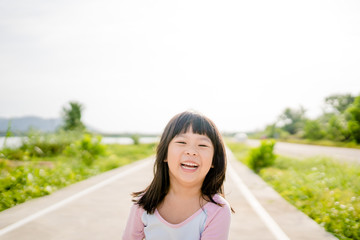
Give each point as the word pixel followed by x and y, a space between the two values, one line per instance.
pixel 189 158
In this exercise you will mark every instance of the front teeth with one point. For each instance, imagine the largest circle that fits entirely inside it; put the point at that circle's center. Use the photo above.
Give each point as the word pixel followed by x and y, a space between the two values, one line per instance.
pixel 189 165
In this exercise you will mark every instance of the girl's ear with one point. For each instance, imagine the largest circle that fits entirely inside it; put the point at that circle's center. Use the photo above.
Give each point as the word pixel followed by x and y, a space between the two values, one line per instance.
pixel 212 166
pixel 165 160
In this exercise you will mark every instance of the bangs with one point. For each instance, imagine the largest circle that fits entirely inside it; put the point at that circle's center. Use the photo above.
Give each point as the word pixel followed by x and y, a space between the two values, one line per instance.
pixel 199 125
pixel 154 194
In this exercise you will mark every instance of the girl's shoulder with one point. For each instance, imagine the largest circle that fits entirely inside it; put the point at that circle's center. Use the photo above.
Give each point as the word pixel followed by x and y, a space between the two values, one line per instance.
pixel 219 199
pixel 136 211
pixel 222 207
pixel 134 227
pixel 138 208
pixel 218 219
pixel 221 202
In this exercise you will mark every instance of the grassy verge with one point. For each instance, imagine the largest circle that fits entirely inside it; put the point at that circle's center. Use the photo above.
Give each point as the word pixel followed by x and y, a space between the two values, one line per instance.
pixel 325 190
pixel 39 176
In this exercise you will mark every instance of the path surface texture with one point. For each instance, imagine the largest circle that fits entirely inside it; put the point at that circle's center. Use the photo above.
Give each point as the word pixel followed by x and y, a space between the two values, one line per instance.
pixel 97 208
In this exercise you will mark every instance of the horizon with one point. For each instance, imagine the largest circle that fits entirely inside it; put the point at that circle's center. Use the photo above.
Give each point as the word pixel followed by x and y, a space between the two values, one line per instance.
pixel 91 128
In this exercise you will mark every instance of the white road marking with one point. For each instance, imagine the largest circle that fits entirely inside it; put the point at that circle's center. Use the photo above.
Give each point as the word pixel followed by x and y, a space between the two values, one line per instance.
pixel 256 206
pixel 65 201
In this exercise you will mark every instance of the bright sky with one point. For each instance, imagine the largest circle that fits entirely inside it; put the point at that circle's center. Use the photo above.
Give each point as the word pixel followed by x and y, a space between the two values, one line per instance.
pixel 135 64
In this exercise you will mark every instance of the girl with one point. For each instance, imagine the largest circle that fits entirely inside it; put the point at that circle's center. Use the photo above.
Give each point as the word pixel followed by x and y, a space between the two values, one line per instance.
pixel 184 200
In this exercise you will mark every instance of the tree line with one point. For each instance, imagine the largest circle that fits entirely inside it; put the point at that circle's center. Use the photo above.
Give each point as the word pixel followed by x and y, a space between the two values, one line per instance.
pixel 339 121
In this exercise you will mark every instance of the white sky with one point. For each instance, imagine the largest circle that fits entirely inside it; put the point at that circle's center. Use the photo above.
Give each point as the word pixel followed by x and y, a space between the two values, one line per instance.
pixel 135 64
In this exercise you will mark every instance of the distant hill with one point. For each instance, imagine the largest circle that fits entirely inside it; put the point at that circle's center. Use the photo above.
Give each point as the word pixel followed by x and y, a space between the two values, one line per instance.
pixel 24 124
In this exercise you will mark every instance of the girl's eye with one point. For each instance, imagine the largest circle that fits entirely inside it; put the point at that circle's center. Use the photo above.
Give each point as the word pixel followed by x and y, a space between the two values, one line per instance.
pixel 181 142
pixel 203 145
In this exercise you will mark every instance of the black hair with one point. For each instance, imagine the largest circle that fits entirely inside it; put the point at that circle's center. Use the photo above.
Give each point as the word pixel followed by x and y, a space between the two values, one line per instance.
pixel 154 194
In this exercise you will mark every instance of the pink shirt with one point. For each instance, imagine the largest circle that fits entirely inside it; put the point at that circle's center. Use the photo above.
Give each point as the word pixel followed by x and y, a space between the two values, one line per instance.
pixel 210 222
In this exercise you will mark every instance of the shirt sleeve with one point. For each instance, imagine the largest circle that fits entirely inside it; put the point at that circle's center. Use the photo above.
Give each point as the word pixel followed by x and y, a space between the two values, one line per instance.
pixel 218 225
pixel 134 228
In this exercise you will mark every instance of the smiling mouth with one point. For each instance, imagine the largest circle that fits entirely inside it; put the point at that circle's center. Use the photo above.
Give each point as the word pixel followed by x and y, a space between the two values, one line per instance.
pixel 189 165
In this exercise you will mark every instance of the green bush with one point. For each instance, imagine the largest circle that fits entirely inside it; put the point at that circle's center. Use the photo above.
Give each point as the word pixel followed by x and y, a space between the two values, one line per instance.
pixel 37 144
pixel 14 154
pixel 135 138
pixel 262 156
pixel 313 130
pixel 88 148
pixel 24 180
pixel 336 129
pixel 72 143
pixel 354 128
pixel 354 122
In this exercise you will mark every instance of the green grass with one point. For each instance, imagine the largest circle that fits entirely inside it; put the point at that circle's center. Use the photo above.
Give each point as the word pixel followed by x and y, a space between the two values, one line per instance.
pixel 326 190
pixel 39 176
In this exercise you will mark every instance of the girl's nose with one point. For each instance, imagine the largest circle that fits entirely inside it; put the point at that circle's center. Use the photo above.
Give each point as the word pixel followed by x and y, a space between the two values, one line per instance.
pixel 191 152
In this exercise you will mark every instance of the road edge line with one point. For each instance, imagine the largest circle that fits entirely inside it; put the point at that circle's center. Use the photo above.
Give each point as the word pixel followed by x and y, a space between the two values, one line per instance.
pixel 257 207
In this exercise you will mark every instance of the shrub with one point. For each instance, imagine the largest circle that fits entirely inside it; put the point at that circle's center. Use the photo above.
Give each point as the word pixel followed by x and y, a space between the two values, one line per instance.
pixel 135 138
pixel 354 122
pixel 336 129
pixel 262 156
pixel 37 144
pixel 47 145
pixel 354 128
pixel 21 181
pixel 312 130
pixel 88 148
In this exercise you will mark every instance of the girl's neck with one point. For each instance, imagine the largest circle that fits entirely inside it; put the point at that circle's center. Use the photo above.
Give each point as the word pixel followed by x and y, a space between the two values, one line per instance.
pixel 185 191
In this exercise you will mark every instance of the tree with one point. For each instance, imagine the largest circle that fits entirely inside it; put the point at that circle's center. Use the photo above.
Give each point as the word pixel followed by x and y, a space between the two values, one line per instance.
pixel 339 102
pixel 293 119
pixel 336 128
pixel 335 116
pixel 354 122
pixel 313 130
pixel 273 131
pixel 72 117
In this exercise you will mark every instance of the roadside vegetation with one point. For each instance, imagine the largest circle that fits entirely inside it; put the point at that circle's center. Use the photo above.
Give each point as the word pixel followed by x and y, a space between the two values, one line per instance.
pixel 326 190
pixel 46 162
pixel 338 125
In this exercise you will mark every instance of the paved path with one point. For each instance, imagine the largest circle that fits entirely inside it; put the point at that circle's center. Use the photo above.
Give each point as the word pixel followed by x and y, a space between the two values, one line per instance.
pixel 305 150
pixel 97 208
